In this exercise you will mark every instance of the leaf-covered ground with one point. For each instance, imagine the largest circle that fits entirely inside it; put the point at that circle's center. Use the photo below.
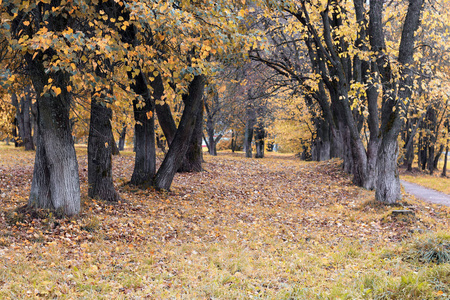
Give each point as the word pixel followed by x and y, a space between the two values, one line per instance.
pixel 275 228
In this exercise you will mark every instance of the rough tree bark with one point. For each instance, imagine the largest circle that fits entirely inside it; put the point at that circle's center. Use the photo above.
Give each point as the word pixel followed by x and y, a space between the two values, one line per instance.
pixel 194 155
pixel 55 182
pixel 100 149
pixel 388 182
pixel 145 159
pixel 180 144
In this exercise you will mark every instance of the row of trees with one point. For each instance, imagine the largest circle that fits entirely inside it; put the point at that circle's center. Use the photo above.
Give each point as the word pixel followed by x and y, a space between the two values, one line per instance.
pixel 361 68
pixel 112 53
pixel 352 71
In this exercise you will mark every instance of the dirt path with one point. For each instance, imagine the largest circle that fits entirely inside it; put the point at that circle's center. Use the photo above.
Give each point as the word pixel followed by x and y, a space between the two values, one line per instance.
pixel 426 194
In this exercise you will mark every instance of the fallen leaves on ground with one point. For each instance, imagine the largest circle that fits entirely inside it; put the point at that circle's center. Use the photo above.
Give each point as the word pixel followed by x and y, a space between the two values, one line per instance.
pixel 242 228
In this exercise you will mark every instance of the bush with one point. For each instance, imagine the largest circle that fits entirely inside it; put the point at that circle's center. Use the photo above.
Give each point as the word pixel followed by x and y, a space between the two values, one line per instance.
pixel 434 249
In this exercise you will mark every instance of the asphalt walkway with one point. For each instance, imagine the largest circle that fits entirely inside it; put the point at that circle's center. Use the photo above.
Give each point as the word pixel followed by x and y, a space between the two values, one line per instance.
pixel 426 194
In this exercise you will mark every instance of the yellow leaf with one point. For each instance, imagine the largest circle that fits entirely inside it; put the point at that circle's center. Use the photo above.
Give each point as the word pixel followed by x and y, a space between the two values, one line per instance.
pixel 56 90
pixel 26 23
pixel 69 88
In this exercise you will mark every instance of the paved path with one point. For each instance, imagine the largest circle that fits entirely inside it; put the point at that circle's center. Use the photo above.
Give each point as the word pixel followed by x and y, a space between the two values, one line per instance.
pixel 426 194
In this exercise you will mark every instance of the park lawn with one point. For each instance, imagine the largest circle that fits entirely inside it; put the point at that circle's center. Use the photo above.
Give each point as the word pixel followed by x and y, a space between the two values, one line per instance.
pixel 274 228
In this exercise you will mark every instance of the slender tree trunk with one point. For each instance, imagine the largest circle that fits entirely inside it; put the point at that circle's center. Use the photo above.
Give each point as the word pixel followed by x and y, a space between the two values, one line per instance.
pixel 437 157
pixel 210 132
pixel 26 115
pixel 18 120
pixel 122 137
pixel 259 141
pixel 444 169
pixel 165 120
pixel 15 134
pixel 250 123
pixel 34 122
pixel 212 144
pixel 233 141
pixel 180 144
pixel 100 149
pixel 430 160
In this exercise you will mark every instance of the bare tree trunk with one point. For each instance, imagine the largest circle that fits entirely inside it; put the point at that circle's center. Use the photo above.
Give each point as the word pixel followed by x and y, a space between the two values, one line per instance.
pixel 437 157
pixel 100 149
pixel 180 144
pixel 18 121
pixel 166 120
pixel 444 169
pixel 194 155
pixel 34 122
pixel 15 134
pixel 145 159
pixel 210 132
pixel 233 141
pixel 388 183
pixel 250 123
pixel 259 140
pixel 26 116
pixel 123 134
pixel 55 182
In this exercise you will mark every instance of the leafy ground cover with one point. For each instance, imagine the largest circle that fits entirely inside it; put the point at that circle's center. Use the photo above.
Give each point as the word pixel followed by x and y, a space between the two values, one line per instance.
pixel 275 228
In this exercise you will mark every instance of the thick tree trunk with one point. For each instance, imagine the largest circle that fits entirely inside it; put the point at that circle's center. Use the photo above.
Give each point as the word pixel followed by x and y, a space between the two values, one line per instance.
pixel 145 159
pixel 180 144
pixel 100 149
pixel 115 149
pixel 194 155
pixel 323 140
pixel 55 182
pixel 122 137
pixel 337 143
pixel 388 184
